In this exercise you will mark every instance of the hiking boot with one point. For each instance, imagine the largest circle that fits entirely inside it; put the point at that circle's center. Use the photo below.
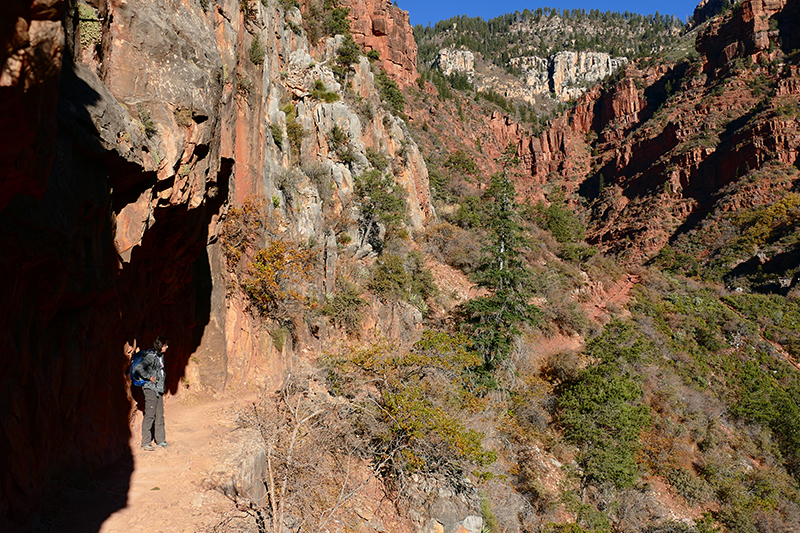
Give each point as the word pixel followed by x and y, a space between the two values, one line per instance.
pixel 148 448
pixel 163 444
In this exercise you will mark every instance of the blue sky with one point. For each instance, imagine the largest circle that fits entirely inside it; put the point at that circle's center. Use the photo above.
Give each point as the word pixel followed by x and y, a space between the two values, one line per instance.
pixel 432 11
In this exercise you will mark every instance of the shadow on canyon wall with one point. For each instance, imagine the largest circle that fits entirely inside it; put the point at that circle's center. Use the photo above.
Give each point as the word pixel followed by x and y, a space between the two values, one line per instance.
pixel 69 306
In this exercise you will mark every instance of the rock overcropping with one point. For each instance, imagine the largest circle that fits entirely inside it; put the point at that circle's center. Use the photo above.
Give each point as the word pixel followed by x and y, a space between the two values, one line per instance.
pixel 450 60
pixel 564 75
pixel 567 74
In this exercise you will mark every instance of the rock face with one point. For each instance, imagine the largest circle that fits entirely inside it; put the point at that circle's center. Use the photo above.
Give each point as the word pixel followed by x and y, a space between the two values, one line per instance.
pixel 746 32
pixel 378 25
pixel 450 60
pixel 652 142
pixel 567 74
pixel 564 76
pixel 32 41
pixel 127 139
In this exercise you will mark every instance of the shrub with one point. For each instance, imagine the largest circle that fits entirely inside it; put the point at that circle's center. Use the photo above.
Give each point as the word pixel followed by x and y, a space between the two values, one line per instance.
pixel 390 93
pixel 339 143
pixel 415 416
pixel 398 278
pixel 695 490
pixel 335 20
pixel 257 51
pixel 377 159
pixel 604 411
pixel 389 280
pixel 472 212
pixel 243 84
pixel 557 218
pixel 320 92
pixel 345 308
pixel 321 178
pixel 460 161
pixel 453 245
pixel 273 273
pixel 347 54
pixel 240 229
pixel 381 201
pixel 279 337
pixel 88 25
pixel 148 126
pixel 277 134
pixel 294 130
pixel 183 116
pixel 373 55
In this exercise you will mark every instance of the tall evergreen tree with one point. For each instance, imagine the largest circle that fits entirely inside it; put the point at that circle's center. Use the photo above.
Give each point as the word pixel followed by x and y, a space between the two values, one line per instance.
pixel 494 320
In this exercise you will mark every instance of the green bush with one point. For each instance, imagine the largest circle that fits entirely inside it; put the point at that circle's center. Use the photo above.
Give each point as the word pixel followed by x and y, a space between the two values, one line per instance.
pixel 277 134
pixel 460 161
pixel 88 25
pixel 148 126
pixel 557 218
pixel 347 54
pixel 390 93
pixel 472 212
pixel 320 92
pixel 257 51
pixel 339 143
pixel 415 419
pixel 335 20
pixel 397 278
pixel 604 412
pixel 377 159
pixel 381 198
pixel 345 308
pixel 695 490
pixel 294 130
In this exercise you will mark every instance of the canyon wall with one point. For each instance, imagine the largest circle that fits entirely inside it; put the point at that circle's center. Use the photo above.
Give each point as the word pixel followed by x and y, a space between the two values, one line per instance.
pixel 648 151
pixel 130 130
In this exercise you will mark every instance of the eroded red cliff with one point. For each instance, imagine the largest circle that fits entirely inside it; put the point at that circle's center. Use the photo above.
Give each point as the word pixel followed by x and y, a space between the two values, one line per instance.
pixel 378 25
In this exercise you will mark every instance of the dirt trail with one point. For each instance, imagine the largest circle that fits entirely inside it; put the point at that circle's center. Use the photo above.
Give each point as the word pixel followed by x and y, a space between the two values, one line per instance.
pixel 167 490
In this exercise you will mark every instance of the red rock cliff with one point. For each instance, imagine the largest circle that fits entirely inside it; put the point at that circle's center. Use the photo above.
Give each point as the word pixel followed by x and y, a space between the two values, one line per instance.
pixel 378 25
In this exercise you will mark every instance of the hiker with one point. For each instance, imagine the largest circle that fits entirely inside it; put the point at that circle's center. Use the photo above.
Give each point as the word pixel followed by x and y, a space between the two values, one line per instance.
pixel 151 369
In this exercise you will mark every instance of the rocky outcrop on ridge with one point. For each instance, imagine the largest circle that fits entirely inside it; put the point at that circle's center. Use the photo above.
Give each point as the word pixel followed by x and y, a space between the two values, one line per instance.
pixel 566 74
pixel 563 76
pixel 450 60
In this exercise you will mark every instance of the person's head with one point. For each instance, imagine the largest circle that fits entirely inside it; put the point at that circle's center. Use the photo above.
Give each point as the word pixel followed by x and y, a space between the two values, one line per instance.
pixel 160 344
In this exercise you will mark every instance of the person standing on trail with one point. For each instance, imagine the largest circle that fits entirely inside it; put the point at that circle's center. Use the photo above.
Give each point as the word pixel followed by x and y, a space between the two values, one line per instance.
pixel 151 369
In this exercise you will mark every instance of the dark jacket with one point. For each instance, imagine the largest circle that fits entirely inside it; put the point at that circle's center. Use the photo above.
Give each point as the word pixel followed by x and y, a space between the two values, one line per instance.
pixel 152 364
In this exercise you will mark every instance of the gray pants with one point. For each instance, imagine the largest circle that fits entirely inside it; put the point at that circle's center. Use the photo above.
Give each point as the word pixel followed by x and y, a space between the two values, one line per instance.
pixel 153 423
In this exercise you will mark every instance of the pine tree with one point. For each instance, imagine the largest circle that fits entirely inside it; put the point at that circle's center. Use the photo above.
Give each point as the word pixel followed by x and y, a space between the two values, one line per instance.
pixel 494 320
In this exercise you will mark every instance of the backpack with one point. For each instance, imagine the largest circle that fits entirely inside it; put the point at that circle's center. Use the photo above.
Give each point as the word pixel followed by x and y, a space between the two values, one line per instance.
pixel 135 360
